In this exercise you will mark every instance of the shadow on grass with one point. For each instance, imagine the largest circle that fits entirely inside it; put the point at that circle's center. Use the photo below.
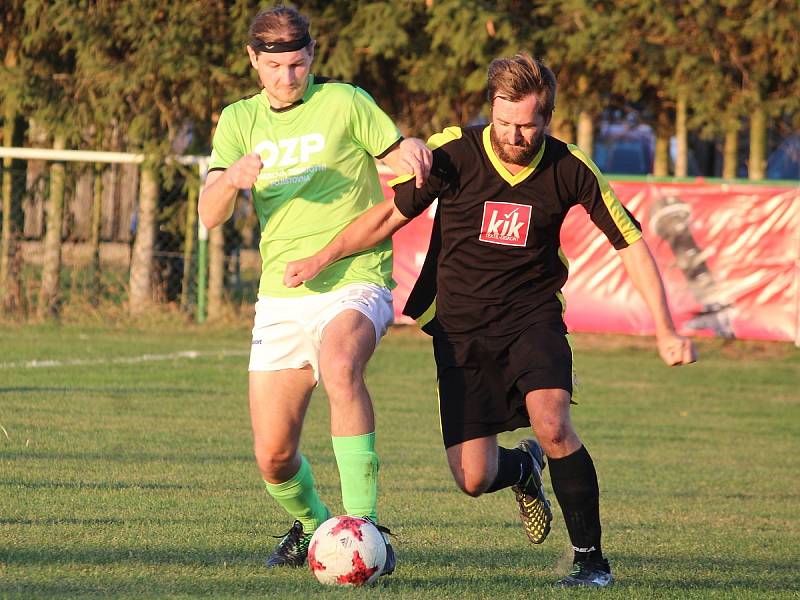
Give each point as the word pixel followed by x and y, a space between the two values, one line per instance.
pixel 95 485
pixel 127 391
pixel 188 458
pixel 56 521
pixel 459 573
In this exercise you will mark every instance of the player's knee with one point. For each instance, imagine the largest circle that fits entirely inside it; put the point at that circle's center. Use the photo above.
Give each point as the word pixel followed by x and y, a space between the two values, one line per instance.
pixel 274 463
pixel 473 484
pixel 553 435
pixel 341 377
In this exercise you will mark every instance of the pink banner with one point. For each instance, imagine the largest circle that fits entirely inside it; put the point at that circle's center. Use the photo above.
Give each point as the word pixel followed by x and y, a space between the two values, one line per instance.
pixel 729 255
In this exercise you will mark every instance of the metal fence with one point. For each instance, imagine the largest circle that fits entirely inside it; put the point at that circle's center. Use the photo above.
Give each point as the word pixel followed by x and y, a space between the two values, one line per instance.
pixel 70 224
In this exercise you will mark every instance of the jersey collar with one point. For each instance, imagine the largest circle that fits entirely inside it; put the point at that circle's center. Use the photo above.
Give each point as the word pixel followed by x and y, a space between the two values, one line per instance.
pixel 306 96
pixel 501 169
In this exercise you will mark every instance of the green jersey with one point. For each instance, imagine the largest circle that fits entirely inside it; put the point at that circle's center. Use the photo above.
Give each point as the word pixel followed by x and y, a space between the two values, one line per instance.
pixel 318 175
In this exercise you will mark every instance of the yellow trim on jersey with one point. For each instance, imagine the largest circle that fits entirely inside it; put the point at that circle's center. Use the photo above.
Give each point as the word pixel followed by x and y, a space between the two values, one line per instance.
pixel 563 301
pixel 563 257
pixel 501 168
pixel 428 315
pixel 439 406
pixel 437 140
pixel 575 385
pixel 623 222
pixel 559 295
pixel 400 179
pixel 449 134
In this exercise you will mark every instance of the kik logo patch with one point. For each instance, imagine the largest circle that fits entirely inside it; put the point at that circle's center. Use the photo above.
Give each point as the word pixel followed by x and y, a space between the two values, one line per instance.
pixel 505 223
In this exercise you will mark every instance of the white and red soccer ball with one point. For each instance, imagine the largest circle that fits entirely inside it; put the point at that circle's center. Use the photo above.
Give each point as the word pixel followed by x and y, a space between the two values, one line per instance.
pixel 347 551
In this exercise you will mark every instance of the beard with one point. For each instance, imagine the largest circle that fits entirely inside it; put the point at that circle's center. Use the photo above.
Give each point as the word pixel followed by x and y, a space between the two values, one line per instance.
pixel 516 154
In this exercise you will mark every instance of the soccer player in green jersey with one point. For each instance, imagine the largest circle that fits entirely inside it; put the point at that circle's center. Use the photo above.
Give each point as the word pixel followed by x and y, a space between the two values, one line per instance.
pixel 306 148
pixel 490 295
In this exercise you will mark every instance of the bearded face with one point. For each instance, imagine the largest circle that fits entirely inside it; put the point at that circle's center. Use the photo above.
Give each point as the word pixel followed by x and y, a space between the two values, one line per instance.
pixel 518 130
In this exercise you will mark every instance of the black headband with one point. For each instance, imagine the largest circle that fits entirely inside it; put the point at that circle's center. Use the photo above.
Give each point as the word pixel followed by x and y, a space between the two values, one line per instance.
pixel 290 46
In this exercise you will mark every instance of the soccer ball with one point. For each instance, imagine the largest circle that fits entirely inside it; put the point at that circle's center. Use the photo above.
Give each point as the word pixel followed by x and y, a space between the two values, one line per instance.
pixel 347 551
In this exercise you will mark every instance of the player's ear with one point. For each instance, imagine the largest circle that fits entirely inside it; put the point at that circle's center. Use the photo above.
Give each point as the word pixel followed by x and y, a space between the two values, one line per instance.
pixel 310 49
pixel 548 117
pixel 253 56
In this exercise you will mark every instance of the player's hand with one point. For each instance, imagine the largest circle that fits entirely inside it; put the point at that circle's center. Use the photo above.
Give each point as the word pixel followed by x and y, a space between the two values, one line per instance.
pixel 299 271
pixel 417 158
pixel 243 173
pixel 676 349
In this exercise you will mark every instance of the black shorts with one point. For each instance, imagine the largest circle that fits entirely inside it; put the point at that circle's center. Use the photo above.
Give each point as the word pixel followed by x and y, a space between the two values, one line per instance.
pixel 483 380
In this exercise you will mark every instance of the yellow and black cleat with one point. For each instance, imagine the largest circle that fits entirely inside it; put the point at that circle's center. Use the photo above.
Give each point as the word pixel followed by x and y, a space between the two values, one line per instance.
pixel 534 509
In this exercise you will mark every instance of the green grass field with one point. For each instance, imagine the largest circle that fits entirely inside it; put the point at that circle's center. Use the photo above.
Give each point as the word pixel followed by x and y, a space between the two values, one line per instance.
pixel 122 477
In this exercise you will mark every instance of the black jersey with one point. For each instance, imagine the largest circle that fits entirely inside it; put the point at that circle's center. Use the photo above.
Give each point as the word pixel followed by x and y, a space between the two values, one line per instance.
pixel 495 264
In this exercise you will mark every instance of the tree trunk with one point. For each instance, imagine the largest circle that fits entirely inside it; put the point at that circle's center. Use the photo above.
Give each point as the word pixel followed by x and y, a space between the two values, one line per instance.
pixel 49 292
pixel 216 271
pixel 9 118
pixel 730 152
pixel 586 133
pixel 562 128
pixel 94 233
pixel 141 275
pixel 9 137
pixel 682 137
pixel 757 165
pixel 663 131
pixel 189 235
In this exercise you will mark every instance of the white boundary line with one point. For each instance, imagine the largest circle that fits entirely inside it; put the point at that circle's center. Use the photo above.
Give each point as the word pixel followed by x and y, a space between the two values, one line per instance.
pixel 122 360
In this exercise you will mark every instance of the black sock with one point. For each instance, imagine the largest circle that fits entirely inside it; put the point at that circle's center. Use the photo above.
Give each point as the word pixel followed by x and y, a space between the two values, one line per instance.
pixel 574 482
pixel 513 467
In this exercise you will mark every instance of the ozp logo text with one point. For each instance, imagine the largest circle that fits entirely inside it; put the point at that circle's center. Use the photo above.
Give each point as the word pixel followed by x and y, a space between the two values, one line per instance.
pixel 290 151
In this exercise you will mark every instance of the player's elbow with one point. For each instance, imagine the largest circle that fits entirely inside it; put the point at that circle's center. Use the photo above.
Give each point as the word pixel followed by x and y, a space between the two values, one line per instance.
pixel 209 214
pixel 206 218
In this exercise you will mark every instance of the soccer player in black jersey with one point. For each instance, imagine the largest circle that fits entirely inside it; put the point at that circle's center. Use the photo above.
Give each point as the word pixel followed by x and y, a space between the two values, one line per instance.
pixel 490 295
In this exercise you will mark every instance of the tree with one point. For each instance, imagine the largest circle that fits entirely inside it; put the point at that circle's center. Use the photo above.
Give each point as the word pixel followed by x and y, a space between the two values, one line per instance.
pixel 49 291
pixel 10 218
pixel 154 72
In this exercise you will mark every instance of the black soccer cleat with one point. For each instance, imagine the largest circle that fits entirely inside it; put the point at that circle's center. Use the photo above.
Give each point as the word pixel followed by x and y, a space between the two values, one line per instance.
pixel 391 558
pixel 534 509
pixel 292 550
pixel 588 573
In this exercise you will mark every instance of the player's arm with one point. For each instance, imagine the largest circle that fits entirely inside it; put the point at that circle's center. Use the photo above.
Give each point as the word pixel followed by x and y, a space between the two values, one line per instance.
pixel 643 272
pixel 374 130
pixel 410 156
pixel 625 233
pixel 368 230
pixel 218 197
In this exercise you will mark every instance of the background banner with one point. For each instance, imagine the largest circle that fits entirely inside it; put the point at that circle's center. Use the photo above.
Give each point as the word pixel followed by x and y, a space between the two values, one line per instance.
pixel 729 255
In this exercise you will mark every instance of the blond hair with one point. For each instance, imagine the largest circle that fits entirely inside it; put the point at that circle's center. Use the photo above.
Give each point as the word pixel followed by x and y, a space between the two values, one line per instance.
pixel 516 78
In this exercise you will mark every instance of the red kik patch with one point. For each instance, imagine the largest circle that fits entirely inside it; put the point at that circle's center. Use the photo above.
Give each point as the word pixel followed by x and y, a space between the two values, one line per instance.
pixel 312 559
pixel 505 223
pixel 360 573
pixel 351 524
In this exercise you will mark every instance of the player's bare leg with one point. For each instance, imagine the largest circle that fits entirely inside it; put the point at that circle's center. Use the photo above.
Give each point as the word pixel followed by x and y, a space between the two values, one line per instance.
pixel 278 404
pixel 549 413
pixel 473 464
pixel 574 480
pixel 481 466
pixel 347 344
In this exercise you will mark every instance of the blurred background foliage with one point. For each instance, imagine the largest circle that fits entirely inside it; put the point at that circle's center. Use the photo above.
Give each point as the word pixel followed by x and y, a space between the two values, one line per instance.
pixel 152 75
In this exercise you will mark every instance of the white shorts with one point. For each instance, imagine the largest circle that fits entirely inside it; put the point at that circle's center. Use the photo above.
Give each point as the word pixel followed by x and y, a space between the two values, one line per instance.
pixel 288 331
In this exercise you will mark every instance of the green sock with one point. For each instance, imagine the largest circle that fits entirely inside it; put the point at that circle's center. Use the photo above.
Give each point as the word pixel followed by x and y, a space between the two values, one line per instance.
pixel 299 498
pixel 358 472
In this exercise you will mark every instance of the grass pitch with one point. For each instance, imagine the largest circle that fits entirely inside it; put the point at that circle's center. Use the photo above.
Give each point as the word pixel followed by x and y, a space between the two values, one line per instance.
pixel 128 475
